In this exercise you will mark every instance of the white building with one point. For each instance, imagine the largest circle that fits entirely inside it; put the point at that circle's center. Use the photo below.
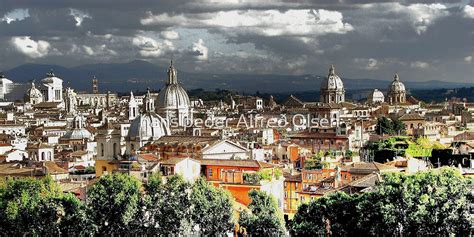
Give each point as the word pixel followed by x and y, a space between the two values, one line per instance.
pixel 52 88
pixel 40 152
pixel 189 169
pixel 5 86
pixel 225 150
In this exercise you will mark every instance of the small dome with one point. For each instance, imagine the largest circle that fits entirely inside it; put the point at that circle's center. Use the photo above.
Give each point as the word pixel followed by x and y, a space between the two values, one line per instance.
pixel 148 126
pixel 173 95
pixel 78 132
pixel 33 92
pixel 376 96
pixel 333 81
pixel 397 85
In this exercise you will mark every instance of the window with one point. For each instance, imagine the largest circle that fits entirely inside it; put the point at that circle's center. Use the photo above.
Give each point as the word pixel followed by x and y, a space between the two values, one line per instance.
pixel 115 149
pixel 102 149
pixel 209 172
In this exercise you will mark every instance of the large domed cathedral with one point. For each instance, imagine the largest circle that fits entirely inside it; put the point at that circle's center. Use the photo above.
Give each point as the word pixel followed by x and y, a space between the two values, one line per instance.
pixel 147 126
pixel 173 101
pixel 396 91
pixel 332 88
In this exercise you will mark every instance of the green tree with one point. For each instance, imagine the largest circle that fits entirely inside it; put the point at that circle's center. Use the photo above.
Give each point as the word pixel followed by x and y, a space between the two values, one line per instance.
pixel 265 218
pixel 168 206
pixel 422 204
pixel 38 207
pixel 212 208
pixel 329 215
pixel 434 203
pixel 398 127
pixel 114 204
pixel 384 126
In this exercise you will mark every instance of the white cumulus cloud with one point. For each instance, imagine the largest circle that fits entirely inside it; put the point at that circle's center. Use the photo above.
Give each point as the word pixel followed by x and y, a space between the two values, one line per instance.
pixel 200 51
pixel 260 22
pixel 150 47
pixel 79 16
pixel 425 14
pixel 169 35
pixel 367 63
pixel 468 11
pixel 29 47
pixel 468 59
pixel 420 65
pixel 15 15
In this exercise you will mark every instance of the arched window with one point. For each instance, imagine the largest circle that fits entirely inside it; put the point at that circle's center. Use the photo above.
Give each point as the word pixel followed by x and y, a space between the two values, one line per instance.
pixel 43 156
pixel 102 149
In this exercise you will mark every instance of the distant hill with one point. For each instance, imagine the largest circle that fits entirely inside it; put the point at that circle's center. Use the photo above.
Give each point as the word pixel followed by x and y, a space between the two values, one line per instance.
pixel 138 75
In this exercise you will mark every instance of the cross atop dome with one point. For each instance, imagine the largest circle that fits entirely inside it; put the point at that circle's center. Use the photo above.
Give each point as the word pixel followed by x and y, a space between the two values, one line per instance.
pixel 172 75
pixel 332 70
pixel 396 77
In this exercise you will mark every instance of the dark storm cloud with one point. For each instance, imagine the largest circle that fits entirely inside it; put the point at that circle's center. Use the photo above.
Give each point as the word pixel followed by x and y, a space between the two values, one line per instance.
pixel 421 39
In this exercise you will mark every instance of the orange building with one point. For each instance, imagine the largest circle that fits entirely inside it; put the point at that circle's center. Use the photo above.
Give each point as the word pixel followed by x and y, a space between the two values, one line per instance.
pixel 241 176
pixel 293 186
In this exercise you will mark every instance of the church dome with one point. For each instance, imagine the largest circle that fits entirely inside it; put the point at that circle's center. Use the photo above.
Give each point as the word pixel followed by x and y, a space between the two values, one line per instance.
pixel 33 92
pixel 78 132
pixel 397 85
pixel 173 95
pixel 332 82
pixel 376 96
pixel 148 126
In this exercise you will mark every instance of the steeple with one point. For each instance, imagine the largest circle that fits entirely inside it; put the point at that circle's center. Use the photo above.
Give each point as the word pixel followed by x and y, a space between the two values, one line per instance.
pixel 149 102
pixel 172 75
pixel 132 107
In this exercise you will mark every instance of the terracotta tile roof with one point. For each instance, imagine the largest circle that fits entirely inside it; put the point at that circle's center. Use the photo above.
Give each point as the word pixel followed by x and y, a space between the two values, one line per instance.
pixel 53 168
pixel 185 139
pixel 292 178
pixel 236 163
pixel 17 169
pixel 47 105
pixel 411 117
pixel 148 157
pixel 369 180
pixel 174 161
pixel 370 167
pixel 78 153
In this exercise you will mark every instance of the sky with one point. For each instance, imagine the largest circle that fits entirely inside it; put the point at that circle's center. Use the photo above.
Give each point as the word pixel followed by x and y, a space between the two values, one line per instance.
pixel 425 40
